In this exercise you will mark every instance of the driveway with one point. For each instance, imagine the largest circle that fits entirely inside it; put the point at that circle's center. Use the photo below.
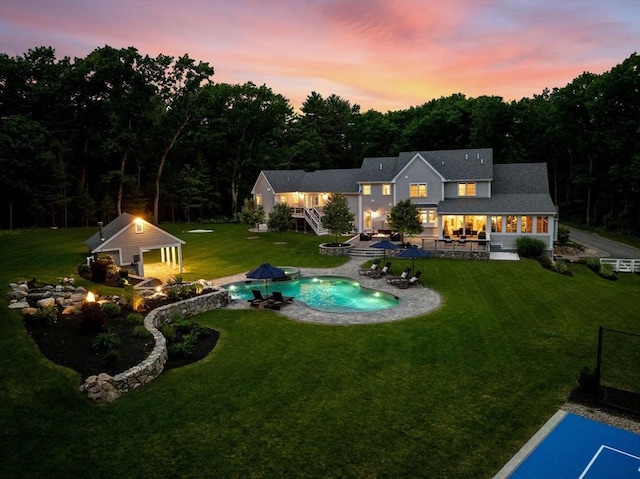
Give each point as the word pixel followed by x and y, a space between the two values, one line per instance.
pixel 609 248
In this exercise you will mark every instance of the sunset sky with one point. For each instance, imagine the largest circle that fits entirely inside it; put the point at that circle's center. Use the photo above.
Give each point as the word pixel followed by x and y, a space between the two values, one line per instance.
pixel 381 54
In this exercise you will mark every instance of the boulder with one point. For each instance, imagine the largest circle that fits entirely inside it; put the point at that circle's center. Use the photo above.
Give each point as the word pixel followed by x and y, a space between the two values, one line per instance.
pixel 46 302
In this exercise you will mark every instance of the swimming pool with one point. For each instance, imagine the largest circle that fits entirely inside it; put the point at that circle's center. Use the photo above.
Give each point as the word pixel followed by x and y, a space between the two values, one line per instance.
pixel 333 294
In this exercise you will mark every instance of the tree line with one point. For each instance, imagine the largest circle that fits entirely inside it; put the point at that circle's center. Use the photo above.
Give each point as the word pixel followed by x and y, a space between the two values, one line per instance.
pixel 83 140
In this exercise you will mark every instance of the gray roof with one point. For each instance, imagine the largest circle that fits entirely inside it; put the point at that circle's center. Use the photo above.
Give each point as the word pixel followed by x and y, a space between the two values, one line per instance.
pixel 110 229
pixel 517 188
pixel 116 226
pixel 339 180
pixel 453 165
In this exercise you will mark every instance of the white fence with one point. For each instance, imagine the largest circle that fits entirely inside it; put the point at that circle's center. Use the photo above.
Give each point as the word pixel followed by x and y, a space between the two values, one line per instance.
pixel 623 265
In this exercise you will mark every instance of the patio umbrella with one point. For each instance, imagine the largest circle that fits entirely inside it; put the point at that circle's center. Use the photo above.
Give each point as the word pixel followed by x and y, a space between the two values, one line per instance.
pixel 384 245
pixel 413 253
pixel 266 271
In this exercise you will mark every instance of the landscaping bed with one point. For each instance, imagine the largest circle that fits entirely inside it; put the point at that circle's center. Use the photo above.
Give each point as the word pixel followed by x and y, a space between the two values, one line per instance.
pixel 66 342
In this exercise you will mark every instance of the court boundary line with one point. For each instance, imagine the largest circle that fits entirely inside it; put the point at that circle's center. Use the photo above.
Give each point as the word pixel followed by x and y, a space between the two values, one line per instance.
pixel 531 445
pixel 595 457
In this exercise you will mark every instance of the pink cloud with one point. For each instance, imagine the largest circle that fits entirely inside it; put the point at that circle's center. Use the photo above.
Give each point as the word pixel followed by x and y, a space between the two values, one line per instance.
pixel 382 54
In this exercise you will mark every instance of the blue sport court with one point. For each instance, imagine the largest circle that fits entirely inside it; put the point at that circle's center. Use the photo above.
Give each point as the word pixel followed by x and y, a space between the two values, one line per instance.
pixel 573 447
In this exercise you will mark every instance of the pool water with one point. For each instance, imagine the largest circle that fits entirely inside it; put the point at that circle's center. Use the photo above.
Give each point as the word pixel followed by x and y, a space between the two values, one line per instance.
pixel 334 294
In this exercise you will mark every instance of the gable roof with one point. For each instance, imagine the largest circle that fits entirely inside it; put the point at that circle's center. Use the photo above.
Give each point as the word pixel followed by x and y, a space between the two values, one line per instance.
pixel 452 165
pixel 111 230
pixel 517 188
pixel 338 180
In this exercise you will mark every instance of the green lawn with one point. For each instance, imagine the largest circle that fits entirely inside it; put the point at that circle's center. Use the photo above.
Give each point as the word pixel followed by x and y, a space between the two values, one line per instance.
pixel 449 395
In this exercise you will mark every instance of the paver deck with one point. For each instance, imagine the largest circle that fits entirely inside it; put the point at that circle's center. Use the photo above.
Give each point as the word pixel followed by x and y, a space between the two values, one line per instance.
pixel 414 301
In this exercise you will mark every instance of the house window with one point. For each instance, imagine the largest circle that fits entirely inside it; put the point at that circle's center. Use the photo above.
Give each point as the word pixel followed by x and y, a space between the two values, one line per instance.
pixel 282 199
pixel 258 199
pixel 138 225
pixel 418 190
pixel 366 189
pixel 527 224
pixel 496 224
pixel 386 189
pixel 367 219
pixel 427 216
pixel 512 224
pixel 466 189
pixel 542 225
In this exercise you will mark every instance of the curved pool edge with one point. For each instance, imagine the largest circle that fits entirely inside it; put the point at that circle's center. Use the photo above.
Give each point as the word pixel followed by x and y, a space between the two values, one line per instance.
pixel 414 301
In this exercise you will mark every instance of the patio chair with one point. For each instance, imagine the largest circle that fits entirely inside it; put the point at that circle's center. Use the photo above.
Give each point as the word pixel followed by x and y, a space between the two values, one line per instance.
pixel 386 269
pixel 258 299
pixel 404 275
pixel 405 283
pixel 373 268
pixel 277 297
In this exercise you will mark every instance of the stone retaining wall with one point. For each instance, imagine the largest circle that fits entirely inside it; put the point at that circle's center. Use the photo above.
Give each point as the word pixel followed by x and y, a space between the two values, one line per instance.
pixel 106 388
pixel 479 255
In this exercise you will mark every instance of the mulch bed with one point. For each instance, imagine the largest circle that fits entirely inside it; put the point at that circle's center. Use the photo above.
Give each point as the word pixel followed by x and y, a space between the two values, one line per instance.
pixel 67 344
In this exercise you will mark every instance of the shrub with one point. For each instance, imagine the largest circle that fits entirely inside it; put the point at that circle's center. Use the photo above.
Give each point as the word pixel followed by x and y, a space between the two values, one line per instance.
pixel 530 247
pixel 132 297
pixel 182 349
pixel 134 318
pixel 47 315
pixel 99 269
pixel 560 267
pixel 84 270
pixel 141 332
pixel 563 234
pixel 124 273
pixel 112 310
pixel 593 264
pixel 607 272
pixel 93 318
pixel 105 342
pixel 168 331
pixel 111 357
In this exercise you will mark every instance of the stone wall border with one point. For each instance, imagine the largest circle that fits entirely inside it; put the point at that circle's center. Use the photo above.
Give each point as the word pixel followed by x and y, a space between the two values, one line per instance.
pixel 106 388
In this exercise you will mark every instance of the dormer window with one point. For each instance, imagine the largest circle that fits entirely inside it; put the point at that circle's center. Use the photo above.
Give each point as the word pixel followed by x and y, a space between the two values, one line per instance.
pixel 466 189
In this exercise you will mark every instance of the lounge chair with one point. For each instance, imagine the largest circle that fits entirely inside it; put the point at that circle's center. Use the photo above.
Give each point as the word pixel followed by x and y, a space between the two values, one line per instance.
pixel 258 299
pixel 404 275
pixel 369 271
pixel 379 273
pixel 278 298
pixel 405 283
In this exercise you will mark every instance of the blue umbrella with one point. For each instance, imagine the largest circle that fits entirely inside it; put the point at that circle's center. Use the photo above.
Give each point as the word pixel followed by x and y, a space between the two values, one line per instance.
pixel 384 245
pixel 413 253
pixel 266 271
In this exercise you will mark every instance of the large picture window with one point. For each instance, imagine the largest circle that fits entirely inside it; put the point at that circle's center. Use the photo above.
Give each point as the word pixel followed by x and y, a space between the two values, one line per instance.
pixel 418 190
pixel 527 224
pixel 512 224
pixel 466 189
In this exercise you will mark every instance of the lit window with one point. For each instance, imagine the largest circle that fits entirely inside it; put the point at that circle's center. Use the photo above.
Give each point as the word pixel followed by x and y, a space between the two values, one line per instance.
pixel 139 225
pixel 386 189
pixel 512 224
pixel 527 224
pixel 542 225
pixel 466 189
pixel 366 189
pixel 418 190
pixel 496 224
pixel 427 216
pixel 258 199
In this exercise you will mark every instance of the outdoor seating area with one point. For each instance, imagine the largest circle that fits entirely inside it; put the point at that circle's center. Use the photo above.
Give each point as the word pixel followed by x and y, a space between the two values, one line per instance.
pixel 404 283
pixel 273 301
